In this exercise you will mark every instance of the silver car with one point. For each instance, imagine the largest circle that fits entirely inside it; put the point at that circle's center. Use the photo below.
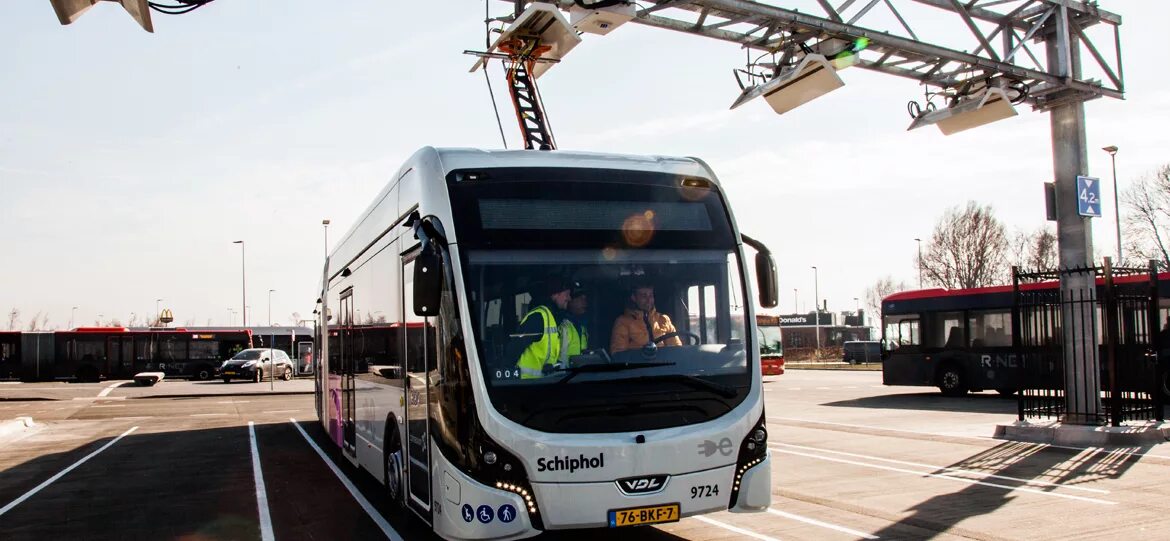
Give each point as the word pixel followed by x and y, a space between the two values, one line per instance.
pixel 256 364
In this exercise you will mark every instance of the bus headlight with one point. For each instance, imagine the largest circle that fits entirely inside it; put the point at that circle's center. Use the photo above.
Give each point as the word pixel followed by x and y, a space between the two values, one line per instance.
pixel 752 451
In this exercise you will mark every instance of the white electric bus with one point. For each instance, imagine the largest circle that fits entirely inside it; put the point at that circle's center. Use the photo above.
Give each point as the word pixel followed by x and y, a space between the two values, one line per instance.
pixel 419 313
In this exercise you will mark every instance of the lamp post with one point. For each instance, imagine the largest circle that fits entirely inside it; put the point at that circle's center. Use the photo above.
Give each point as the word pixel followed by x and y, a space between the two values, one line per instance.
pixel 72 313
pixel 919 241
pixel 795 305
pixel 243 283
pixel 157 314
pixel 270 306
pixel 1112 150
pixel 817 306
pixel 325 223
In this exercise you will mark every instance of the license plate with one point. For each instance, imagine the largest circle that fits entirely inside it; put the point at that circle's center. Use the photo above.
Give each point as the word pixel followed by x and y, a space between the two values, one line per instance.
pixel 644 515
pixel 229 373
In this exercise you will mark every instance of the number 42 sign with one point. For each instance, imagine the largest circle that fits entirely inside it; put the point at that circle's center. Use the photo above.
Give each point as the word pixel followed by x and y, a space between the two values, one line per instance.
pixel 1089 197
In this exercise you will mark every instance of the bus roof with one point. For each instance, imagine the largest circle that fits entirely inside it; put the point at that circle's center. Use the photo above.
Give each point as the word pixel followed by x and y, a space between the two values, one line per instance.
pixel 988 297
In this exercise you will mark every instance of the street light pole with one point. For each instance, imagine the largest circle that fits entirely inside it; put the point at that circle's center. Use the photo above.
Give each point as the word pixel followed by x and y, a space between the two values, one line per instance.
pixel 243 283
pixel 72 313
pixel 270 306
pixel 157 314
pixel 326 224
pixel 919 241
pixel 1112 150
pixel 817 305
pixel 795 305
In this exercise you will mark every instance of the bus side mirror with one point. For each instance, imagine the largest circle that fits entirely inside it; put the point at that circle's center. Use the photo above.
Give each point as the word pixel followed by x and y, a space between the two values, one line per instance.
pixel 428 283
pixel 766 278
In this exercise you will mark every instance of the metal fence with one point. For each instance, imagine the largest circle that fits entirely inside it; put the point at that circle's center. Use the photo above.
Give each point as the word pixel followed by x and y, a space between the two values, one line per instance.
pixel 1118 317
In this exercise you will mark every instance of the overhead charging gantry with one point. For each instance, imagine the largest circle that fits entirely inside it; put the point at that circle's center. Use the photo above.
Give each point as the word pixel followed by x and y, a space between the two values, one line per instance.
pixel 537 39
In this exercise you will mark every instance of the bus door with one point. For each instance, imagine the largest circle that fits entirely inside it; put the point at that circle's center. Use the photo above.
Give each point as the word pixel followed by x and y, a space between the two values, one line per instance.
pixel 419 362
pixel 121 364
pixel 349 428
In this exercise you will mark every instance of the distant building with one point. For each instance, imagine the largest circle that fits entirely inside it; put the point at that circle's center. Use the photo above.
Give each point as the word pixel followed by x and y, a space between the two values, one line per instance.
pixel 800 330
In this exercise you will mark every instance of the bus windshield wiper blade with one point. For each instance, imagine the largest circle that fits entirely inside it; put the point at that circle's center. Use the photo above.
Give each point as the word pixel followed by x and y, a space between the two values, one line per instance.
pixel 607 367
pixel 720 389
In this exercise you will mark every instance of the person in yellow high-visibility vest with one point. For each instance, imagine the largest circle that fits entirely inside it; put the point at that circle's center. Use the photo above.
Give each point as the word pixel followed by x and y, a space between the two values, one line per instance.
pixel 539 328
pixel 574 333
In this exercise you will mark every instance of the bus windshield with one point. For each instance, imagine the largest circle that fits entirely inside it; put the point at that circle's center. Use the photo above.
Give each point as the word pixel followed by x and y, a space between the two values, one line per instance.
pixel 656 307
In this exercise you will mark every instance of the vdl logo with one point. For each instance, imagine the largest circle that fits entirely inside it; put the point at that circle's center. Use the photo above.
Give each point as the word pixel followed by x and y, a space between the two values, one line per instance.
pixel 642 485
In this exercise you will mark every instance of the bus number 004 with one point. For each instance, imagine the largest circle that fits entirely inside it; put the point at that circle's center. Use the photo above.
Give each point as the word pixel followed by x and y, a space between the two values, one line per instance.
pixel 704 491
pixel 508 374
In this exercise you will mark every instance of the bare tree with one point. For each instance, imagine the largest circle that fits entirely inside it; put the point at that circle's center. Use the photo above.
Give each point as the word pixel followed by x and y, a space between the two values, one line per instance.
pixel 295 318
pixel 14 319
pixel 881 289
pixel 1148 217
pixel 967 249
pixel 34 323
pixel 1036 250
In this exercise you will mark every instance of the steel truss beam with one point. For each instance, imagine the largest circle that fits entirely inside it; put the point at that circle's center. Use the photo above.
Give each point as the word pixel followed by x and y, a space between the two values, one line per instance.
pixel 1007 38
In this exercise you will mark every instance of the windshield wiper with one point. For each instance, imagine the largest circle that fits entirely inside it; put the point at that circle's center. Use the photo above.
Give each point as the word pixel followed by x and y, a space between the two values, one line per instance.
pixel 606 367
pixel 694 381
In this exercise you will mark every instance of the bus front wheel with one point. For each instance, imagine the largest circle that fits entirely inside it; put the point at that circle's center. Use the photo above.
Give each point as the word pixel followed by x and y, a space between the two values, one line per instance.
pixel 393 467
pixel 951 381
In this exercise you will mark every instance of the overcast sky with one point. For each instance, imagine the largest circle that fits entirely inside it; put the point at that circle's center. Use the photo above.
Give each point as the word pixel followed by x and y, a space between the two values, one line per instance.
pixel 129 161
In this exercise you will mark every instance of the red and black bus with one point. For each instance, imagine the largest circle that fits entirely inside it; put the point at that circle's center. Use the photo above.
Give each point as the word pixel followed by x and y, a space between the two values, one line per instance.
pixel 960 340
pixel 771 345
pixel 95 353
pixel 9 355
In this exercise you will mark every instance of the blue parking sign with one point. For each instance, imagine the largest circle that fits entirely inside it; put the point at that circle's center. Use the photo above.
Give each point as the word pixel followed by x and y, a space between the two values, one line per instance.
pixel 1089 197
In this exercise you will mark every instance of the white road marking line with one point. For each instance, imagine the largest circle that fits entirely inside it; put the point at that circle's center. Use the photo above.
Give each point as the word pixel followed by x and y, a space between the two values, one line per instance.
pixel 387 529
pixel 62 473
pixel 1120 452
pixel 1009 488
pixel 947 469
pixel 815 522
pixel 107 390
pixel 823 388
pixel 281 411
pixel 95 398
pixel 735 529
pixel 261 493
pixel 210 414
pixel 794 389
pixel 879 428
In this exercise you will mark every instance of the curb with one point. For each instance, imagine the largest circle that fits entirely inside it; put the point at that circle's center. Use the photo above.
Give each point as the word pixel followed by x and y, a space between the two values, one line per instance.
pixel 15 426
pixel 193 395
pixel 1083 436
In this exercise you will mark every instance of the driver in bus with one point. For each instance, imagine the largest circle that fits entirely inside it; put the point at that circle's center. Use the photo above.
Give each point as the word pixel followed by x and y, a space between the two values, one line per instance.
pixel 539 334
pixel 642 324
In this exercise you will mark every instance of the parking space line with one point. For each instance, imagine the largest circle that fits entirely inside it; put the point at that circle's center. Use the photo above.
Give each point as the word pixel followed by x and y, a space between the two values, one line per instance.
pixel 62 473
pixel 386 528
pixel 261 493
pixel 880 428
pixel 815 522
pixel 947 477
pixel 106 391
pixel 946 468
pixel 735 529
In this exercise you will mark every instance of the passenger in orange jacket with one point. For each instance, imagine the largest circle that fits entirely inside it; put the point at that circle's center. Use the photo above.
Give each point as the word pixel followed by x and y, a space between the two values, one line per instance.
pixel 642 323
